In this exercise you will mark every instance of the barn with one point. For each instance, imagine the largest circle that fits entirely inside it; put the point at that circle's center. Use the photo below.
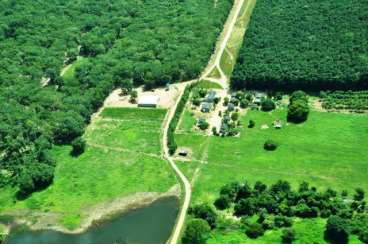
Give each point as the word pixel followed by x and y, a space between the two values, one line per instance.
pixel 148 102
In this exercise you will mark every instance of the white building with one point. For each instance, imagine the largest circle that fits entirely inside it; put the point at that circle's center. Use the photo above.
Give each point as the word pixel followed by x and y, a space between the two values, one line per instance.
pixel 148 101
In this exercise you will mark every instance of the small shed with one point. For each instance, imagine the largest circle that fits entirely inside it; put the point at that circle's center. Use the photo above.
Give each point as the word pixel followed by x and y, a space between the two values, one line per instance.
pixel 277 124
pixel 206 107
pixel 148 101
pixel 259 96
pixel 183 153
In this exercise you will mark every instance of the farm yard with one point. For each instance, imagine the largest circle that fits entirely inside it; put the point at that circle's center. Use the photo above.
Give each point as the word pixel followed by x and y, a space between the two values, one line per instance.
pixel 303 154
pixel 122 158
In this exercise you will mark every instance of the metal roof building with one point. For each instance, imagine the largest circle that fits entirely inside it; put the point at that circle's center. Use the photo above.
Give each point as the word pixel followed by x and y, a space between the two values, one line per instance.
pixel 148 101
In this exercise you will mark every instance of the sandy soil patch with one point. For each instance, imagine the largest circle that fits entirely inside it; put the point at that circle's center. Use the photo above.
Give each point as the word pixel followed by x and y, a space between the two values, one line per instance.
pixel 166 97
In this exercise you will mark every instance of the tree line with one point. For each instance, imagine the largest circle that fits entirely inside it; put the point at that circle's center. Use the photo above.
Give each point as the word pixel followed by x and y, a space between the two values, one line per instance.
pixel 312 46
pixel 261 208
pixel 126 43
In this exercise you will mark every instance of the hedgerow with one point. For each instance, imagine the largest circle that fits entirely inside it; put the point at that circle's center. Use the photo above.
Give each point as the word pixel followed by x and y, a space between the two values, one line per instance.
pixel 171 144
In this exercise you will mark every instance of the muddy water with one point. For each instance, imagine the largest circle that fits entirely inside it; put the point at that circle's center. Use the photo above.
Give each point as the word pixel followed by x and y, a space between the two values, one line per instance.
pixel 149 225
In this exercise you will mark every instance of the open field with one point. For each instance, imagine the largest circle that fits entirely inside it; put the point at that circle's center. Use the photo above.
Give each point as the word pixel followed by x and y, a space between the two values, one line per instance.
pixel 329 150
pixel 122 158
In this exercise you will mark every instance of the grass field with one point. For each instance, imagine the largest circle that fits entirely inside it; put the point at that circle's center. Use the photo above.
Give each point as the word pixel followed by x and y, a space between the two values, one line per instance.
pixel 120 160
pixel 329 150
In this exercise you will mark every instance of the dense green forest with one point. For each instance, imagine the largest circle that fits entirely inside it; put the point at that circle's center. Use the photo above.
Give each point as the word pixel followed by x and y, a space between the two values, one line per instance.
pixel 126 43
pixel 309 45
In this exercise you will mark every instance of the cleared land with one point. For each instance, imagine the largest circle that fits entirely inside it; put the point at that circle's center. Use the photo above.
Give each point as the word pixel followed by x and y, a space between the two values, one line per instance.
pixel 122 158
pixel 329 150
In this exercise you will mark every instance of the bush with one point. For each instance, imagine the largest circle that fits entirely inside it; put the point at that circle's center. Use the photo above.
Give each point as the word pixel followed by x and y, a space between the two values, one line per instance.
pixel 298 109
pixel 254 230
pixel 226 101
pixel 196 232
pixel 288 236
pixel 214 131
pixel 251 124
pixel 223 202
pixel 359 194
pixel 283 221
pixel 133 96
pixel 234 116
pixel 78 146
pixel 268 105
pixel 244 103
pixel 337 230
pixel 298 112
pixel 205 212
pixel 203 124
pixel 270 145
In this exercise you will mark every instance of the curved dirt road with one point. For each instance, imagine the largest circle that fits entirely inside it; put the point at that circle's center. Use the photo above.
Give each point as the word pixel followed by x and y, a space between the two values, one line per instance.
pixel 223 82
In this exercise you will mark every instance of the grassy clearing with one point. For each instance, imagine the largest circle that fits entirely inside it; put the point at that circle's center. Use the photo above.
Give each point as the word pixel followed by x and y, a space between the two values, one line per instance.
pixel 120 165
pixel 329 150
pixel 205 84
pixel 215 73
pixel 69 74
pixel 187 122
pixel 229 57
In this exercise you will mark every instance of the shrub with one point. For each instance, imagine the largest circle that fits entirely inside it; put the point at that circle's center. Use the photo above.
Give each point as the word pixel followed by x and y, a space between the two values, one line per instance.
pixel 133 96
pixel 244 103
pixel 226 101
pixel 283 221
pixel 205 212
pixel 298 112
pixel 203 124
pixel 337 230
pixel 196 232
pixel 298 109
pixel 214 131
pixel 270 145
pixel 223 202
pixel 251 124
pixel 234 116
pixel 359 194
pixel 288 236
pixel 216 100
pixel 78 146
pixel 268 105
pixel 254 230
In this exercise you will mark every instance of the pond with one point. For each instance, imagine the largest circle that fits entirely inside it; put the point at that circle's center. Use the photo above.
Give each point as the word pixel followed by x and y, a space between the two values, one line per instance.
pixel 149 225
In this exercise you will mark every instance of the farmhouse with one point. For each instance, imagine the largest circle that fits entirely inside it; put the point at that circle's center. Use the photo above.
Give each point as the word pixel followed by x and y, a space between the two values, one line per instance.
pixel 148 101
pixel 210 98
pixel 206 107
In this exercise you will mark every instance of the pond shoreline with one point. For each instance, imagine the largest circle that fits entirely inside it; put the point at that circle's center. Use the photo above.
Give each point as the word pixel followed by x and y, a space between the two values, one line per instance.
pixel 92 216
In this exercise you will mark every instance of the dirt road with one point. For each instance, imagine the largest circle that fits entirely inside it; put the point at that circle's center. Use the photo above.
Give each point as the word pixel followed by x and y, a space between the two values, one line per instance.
pixel 223 81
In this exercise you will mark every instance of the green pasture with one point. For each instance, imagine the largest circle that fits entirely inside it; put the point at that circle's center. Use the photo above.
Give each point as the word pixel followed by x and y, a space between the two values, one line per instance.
pixel 329 150
pixel 114 165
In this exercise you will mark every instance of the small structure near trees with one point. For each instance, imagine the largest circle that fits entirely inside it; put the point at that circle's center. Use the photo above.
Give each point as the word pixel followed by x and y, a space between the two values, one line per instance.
pixel 277 124
pixel 206 107
pixel 148 101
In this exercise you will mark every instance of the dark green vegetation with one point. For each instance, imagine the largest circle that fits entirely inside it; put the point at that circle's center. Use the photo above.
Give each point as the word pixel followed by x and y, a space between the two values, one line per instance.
pixel 318 45
pixel 298 109
pixel 171 144
pixel 122 157
pixel 266 210
pixel 345 100
pixel 124 43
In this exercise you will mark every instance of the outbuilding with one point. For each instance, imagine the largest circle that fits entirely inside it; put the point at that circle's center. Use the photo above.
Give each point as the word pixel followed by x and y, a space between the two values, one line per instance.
pixel 206 107
pixel 148 101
